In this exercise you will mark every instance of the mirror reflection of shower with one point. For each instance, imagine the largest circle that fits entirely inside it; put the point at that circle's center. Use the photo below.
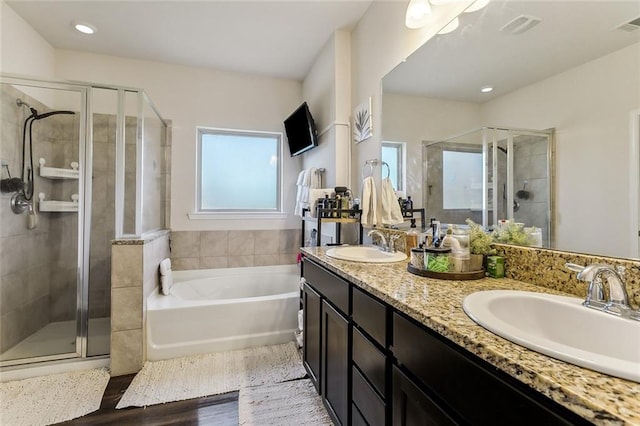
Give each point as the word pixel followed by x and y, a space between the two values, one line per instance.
pixel 491 174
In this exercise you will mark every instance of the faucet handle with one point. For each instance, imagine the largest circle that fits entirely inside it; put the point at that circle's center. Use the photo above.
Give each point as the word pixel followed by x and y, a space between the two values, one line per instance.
pixel 621 270
pixel 574 267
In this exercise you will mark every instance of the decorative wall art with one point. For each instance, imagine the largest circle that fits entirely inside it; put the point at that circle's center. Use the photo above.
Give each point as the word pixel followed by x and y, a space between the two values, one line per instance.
pixel 362 128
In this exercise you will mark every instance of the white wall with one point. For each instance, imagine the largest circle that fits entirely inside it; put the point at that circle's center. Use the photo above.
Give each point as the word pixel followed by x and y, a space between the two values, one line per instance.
pixel 192 97
pixel 380 42
pixel 327 89
pixel 589 107
pixel 414 119
pixel 23 51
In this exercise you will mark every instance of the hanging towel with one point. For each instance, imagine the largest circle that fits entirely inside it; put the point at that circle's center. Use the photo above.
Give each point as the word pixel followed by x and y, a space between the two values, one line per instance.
pixel 307 180
pixel 166 276
pixel 302 196
pixel 391 213
pixel 369 202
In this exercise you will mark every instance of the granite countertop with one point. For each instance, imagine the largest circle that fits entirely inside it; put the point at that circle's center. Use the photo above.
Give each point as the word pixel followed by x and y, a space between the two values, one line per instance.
pixel 597 397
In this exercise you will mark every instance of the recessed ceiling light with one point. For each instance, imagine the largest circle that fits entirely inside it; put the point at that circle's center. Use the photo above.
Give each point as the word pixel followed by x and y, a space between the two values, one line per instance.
pixel 486 89
pixel 84 28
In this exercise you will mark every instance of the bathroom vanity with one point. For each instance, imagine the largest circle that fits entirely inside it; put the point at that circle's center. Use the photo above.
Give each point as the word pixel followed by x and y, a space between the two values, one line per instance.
pixel 383 346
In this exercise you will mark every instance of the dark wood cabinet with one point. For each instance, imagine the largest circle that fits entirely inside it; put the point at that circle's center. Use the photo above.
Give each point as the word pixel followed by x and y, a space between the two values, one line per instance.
pixel 467 387
pixel 327 338
pixel 334 384
pixel 311 309
pixel 413 407
pixel 374 365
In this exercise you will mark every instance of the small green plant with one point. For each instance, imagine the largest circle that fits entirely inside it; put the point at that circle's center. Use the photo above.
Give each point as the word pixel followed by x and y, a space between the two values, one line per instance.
pixel 513 233
pixel 479 240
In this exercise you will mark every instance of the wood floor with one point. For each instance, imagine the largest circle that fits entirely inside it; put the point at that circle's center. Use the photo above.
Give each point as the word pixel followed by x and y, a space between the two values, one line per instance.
pixel 219 410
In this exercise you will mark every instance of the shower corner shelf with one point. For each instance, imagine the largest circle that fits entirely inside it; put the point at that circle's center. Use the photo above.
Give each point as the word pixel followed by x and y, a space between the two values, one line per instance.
pixel 58 206
pixel 59 173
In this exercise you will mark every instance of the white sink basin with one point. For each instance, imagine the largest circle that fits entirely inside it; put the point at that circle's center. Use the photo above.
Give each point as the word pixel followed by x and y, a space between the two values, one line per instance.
pixel 562 328
pixel 367 254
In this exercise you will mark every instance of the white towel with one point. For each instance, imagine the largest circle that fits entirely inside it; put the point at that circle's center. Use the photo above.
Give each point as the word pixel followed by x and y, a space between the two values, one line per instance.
pixel 166 276
pixel 369 202
pixel 302 183
pixel 391 213
pixel 300 180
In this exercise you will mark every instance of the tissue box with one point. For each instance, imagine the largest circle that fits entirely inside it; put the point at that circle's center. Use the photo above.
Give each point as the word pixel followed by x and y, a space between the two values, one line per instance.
pixel 495 266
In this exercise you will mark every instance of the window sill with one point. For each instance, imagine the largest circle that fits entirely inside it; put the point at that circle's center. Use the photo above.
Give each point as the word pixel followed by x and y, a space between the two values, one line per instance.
pixel 235 215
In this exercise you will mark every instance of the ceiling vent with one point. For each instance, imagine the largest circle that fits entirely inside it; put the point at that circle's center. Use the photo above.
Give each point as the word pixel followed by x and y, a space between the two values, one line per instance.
pixel 630 26
pixel 521 24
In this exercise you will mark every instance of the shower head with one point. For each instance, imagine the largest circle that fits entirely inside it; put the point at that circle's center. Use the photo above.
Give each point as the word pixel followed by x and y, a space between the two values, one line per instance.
pixel 20 103
pixel 50 113
pixel 34 112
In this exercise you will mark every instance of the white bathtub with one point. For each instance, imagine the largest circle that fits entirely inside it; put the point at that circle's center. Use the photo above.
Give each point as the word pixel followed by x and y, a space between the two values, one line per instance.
pixel 214 310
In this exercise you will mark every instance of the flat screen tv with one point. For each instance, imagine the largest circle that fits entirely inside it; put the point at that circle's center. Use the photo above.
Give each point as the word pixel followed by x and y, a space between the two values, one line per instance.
pixel 301 130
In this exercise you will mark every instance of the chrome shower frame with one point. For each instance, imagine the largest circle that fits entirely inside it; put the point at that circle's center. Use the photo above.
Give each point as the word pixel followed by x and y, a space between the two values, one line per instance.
pixel 85 153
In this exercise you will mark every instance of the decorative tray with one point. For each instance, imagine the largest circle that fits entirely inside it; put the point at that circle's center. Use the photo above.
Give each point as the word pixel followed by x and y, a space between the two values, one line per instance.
pixel 458 276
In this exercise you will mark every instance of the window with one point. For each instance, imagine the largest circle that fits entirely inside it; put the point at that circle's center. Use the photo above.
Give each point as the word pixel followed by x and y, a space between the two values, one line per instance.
pixel 239 171
pixel 393 155
pixel 461 180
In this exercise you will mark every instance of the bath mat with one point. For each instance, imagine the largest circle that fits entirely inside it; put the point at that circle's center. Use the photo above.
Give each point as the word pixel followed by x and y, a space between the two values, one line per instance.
pixel 52 399
pixel 289 403
pixel 212 374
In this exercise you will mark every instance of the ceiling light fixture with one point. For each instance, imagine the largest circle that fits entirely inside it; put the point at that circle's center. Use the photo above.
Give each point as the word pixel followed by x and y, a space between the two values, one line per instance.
pixel 84 28
pixel 451 26
pixel 477 5
pixel 418 13
pixel 486 89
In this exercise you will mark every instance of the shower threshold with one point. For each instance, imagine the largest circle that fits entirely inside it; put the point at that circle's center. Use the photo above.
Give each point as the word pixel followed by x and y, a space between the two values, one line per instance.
pixel 60 338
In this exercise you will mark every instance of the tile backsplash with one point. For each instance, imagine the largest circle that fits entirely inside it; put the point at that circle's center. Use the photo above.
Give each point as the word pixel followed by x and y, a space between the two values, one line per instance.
pixel 546 268
pixel 230 249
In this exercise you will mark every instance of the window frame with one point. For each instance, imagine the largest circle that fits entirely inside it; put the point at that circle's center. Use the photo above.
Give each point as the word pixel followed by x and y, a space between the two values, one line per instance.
pixel 276 212
pixel 401 151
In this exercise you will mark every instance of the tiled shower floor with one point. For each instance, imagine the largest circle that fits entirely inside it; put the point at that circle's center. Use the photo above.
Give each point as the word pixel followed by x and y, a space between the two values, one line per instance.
pixel 60 338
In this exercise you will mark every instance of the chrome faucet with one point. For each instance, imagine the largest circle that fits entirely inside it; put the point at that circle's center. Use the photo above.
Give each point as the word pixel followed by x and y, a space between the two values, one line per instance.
pixel 385 245
pixel 617 302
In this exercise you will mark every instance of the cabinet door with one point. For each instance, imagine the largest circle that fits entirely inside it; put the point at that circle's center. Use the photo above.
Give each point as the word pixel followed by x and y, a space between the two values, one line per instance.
pixel 411 406
pixel 334 383
pixel 311 335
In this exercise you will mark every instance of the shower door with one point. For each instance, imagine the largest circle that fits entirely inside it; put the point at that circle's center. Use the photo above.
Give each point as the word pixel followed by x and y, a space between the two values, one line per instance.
pixel 43 300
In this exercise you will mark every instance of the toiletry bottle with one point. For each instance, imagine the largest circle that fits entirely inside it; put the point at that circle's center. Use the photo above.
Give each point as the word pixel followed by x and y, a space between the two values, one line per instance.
pixel 408 206
pixel 411 239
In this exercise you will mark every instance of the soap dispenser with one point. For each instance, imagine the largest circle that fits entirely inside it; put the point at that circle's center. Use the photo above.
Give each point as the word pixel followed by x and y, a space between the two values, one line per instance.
pixel 411 239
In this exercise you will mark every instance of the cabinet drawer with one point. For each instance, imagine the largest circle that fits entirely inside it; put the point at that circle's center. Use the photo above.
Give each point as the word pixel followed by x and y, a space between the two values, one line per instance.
pixel 335 289
pixel 470 390
pixel 368 402
pixel 370 315
pixel 356 417
pixel 411 406
pixel 370 360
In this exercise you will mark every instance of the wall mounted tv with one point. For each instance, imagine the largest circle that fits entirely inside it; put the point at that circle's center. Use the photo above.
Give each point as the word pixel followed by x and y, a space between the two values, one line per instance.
pixel 301 130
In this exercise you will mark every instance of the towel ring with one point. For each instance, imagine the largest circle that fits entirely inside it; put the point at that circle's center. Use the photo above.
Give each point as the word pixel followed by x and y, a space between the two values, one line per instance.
pixel 370 163
pixel 388 169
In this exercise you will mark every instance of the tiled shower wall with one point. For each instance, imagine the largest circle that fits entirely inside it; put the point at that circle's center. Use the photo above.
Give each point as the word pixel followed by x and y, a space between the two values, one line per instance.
pixel 530 165
pixel 229 249
pixel 38 267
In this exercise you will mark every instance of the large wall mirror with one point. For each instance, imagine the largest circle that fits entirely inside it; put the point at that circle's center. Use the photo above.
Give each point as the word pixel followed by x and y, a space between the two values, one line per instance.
pixel 567 67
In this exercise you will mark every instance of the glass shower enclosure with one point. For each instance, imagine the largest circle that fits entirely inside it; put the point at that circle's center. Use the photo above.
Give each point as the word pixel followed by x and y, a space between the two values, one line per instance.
pixel 82 165
pixel 491 174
